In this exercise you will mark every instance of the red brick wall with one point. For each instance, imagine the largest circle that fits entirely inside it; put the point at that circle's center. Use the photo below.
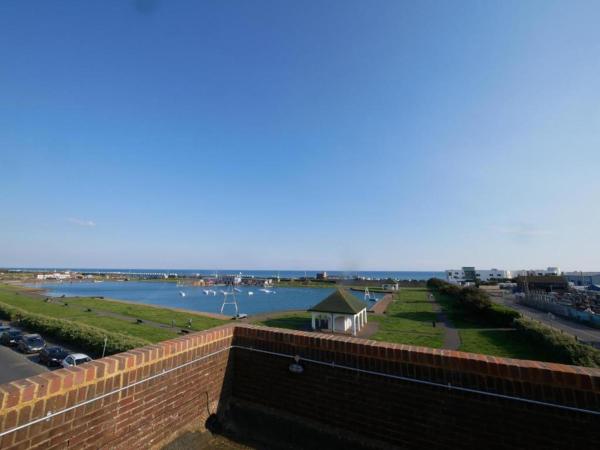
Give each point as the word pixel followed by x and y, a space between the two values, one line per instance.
pixel 414 415
pixel 143 416
pixel 400 412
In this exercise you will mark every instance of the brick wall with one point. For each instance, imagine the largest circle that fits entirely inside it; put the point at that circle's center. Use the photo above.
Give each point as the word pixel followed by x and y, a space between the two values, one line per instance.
pixel 413 415
pixel 143 416
pixel 167 402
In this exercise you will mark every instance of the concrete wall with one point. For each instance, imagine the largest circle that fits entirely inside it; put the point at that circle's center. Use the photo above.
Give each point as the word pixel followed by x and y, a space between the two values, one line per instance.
pixel 182 381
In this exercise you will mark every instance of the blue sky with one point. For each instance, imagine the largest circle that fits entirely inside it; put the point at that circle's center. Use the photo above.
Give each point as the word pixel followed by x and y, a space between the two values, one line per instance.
pixel 400 135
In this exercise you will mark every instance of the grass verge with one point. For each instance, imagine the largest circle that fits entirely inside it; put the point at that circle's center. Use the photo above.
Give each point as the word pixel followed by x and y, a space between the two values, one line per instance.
pixel 409 320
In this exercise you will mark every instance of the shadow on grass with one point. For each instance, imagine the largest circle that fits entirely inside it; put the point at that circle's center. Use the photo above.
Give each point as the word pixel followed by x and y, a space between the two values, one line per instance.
pixel 293 323
pixel 507 343
pixel 423 316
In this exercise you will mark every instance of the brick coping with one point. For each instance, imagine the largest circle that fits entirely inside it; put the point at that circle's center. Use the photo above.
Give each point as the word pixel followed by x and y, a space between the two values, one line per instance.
pixel 139 363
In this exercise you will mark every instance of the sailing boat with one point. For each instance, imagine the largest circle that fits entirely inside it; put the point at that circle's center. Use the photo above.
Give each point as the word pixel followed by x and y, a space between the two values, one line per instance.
pixel 368 296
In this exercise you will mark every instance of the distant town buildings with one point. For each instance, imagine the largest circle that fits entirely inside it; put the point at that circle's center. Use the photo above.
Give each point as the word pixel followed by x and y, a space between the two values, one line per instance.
pixel 54 276
pixel 472 275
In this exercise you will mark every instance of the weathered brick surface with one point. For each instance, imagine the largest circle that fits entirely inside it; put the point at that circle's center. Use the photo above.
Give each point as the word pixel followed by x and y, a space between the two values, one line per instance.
pixel 142 416
pixel 412 415
pixel 166 403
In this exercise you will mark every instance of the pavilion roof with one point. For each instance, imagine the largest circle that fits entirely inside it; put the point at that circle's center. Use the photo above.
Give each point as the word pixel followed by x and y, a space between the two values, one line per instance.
pixel 341 301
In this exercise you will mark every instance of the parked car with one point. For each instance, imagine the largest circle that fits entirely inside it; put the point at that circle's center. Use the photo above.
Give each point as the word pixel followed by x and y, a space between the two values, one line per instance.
pixel 31 343
pixel 52 356
pixel 4 328
pixel 75 359
pixel 11 337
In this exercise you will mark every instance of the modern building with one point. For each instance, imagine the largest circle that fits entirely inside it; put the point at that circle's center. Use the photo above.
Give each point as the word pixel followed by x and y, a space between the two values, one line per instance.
pixel 551 271
pixel 583 278
pixel 340 312
pixel 472 275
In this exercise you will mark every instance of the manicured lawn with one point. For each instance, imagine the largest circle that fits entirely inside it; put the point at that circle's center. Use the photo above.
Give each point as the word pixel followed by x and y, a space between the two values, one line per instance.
pixel 293 321
pixel 146 312
pixel 479 336
pixel 409 320
pixel 75 309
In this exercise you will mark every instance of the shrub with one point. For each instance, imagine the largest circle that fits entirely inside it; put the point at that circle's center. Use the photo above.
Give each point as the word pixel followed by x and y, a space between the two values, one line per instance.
pixel 476 302
pixel 566 348
pixel 435 283
pixel 474 299
pixel 85 336
pixel 501 316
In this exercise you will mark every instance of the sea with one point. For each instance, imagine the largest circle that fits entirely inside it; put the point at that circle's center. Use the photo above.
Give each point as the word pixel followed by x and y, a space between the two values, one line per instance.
pixel 250 299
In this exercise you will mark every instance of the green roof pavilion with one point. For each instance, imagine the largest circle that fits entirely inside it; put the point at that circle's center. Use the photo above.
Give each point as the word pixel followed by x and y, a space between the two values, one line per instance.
pixel 340 312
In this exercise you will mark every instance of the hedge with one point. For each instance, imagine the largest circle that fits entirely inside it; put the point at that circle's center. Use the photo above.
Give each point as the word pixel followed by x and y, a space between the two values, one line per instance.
pixel 87 337
pixel 475 301
pixel 565 347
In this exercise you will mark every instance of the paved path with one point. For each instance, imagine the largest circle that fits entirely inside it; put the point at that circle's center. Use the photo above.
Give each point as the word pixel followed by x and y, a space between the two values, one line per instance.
pixel 382 305
pixel 575 329
pixel 451 336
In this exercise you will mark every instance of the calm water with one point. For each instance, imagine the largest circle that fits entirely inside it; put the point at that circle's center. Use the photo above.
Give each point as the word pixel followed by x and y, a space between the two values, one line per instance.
pixel 168 294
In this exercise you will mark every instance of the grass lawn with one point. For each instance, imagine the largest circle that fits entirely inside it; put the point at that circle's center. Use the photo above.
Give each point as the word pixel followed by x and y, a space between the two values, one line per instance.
pixel 292 321
pixel 479 336
pixel 408 320
pixel 75 310
pixel 146 312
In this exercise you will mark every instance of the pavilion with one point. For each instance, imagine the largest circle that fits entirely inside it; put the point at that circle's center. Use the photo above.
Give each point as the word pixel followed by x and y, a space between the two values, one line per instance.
pixel 340 312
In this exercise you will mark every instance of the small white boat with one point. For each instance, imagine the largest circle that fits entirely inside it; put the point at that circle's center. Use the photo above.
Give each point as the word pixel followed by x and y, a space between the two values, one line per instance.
pixel 182 293
pixel 237 289
pixel 266 291
pixel 206 291
pixel 250 293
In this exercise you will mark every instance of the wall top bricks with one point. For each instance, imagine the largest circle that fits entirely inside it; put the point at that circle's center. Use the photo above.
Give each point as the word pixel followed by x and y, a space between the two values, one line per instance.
pixel 556 375
pixel 31 399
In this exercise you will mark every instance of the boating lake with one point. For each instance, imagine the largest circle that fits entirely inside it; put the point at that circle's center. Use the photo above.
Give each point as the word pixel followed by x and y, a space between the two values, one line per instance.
pixel 168 295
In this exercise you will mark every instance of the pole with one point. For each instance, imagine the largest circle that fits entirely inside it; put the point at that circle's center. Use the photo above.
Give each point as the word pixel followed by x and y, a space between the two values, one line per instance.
pixel 104 349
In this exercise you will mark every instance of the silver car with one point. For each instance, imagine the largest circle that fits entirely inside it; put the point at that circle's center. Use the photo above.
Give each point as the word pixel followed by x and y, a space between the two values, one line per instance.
pixel 75 359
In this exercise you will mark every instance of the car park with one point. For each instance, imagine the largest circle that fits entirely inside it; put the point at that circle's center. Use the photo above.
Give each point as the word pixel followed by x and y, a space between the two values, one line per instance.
pixel 31 343
pixel 52 356
pixel 11 337
pixel 75 359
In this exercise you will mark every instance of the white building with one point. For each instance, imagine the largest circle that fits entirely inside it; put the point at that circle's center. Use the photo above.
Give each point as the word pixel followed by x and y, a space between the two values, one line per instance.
pixel 537 272
pixel 472 275
pixel 340 312
pixel 54 276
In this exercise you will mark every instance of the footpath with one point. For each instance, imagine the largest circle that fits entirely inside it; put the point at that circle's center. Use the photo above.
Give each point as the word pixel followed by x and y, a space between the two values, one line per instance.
pixel 451 336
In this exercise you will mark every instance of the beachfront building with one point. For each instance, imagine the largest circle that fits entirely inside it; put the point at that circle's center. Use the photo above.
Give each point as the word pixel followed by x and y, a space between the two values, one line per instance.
pixel 550 271
pixel 340 312
pixel 472 275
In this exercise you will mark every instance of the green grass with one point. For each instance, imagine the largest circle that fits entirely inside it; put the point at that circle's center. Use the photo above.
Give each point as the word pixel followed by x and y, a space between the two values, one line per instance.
pixel 100 317
pixel 478 335
pixel 146 312
pixel 408 320
pixel 504 343
pixel 292 321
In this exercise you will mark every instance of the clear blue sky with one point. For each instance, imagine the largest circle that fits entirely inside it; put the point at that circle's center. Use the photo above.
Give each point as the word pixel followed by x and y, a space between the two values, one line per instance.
pixel 300 134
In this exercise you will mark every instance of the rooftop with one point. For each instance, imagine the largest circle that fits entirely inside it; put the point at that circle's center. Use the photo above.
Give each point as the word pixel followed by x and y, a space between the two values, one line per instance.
pixel 341 301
